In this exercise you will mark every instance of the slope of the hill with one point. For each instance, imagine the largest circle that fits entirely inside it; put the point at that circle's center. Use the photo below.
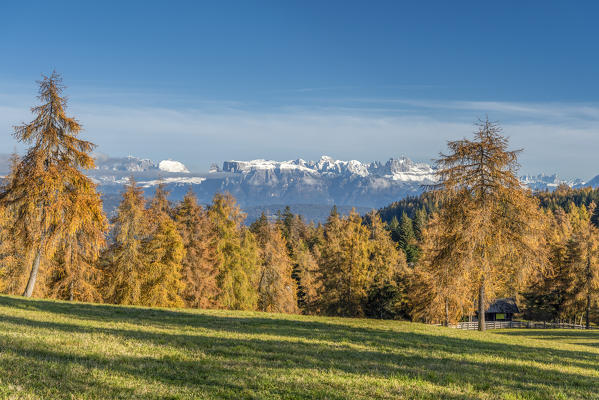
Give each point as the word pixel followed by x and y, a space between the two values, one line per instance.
pixel 74 350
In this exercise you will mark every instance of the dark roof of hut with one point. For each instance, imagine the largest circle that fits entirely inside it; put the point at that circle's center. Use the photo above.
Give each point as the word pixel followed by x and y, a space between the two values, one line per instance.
pixel 504 306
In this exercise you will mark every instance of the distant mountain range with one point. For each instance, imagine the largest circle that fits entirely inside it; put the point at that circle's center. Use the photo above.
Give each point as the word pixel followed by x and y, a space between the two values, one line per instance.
pixel 310 188
pixel 263 185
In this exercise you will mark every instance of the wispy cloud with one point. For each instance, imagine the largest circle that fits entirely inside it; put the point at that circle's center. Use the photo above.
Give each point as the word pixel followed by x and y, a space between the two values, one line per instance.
pixel 557 137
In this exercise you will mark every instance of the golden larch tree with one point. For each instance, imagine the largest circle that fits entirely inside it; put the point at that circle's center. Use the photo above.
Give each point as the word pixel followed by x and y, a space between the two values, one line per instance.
pixel 200 267
pixel 125 261
pixel 48 194
pixel 498 241
pixel 74 274
pixel 582 255
pixel 236 254
pixel 163 254
pixel 345 265
pixel 277 290
pixel 15 261
pixel 441 290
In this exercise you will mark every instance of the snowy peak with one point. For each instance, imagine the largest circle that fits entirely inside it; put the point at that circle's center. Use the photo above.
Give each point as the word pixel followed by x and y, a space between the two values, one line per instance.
pixel 402 169
pixel 172 166
pixel 548 182
pixel 396 171
pixel 124 164
pixel 135 164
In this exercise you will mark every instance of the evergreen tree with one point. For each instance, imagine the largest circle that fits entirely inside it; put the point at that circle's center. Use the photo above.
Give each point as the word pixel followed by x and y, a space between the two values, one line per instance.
pixel 260 228
pixel 420 221
pixel 407 238
pixel 49 196
pixel 126 262
pixel 406 231
pixel 199 263
pixel 395 229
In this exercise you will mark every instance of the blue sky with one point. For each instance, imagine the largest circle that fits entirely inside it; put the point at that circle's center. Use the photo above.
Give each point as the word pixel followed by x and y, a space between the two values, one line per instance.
pixel 205 81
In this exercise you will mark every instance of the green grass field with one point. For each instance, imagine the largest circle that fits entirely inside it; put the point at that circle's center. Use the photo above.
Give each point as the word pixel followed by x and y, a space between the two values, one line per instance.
pixel 82 351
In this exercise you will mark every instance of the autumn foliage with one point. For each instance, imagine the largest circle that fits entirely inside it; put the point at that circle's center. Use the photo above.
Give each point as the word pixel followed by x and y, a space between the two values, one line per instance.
pixel 439 258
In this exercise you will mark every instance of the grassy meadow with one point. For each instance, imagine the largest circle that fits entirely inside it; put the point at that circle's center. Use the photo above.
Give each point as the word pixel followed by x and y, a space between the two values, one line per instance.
pixel 62 350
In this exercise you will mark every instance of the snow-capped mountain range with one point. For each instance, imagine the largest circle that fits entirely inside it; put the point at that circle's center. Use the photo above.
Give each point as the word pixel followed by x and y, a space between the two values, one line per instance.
pixel 134 164
pixel 268 185
pixel 309 187
pixel 549 182
pixel 402 169
pixel 261 183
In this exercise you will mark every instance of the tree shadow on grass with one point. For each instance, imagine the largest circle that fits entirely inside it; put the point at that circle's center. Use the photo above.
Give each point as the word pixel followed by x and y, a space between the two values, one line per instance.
pixel 235 364
pixel 336 331
pixel 572 336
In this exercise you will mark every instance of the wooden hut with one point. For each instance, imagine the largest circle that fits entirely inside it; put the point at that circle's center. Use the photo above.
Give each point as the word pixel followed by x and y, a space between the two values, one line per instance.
pixel 502 310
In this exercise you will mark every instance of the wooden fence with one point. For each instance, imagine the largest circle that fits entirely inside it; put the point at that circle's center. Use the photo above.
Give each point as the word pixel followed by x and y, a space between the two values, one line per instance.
pixel 518 324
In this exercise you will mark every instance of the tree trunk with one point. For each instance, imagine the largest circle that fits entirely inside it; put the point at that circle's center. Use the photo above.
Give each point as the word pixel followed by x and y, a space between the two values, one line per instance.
pixel 589 277
pixel 588 309
pixel 446 313
pixel 481 306
pixel 71 291
pixel 33 275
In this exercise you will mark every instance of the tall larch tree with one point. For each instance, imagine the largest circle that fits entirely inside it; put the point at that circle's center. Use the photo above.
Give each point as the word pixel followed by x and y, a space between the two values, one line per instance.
pixel 15 261
pixel 499 221
pixel 74 274
pixel 305 272
pixel 583 255
pixel 200 266
pixel 159 203
pixel 386 261
pixel 125 262
pixel 389 272
pixel 48 193
pixel 236 254
pixel 277 290
pixel 163 254
pixel 550 287
pixel 301 246
pixel 345 265
pixel 441 289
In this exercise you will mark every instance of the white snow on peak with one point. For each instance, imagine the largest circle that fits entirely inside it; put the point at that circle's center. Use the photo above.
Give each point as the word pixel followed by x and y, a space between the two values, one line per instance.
pixel 402 169
pixel 172 166
pixel 196 180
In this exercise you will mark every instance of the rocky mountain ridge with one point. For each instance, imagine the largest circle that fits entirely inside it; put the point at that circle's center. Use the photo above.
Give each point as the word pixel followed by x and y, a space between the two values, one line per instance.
pixel 268 185
pixel 262 184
